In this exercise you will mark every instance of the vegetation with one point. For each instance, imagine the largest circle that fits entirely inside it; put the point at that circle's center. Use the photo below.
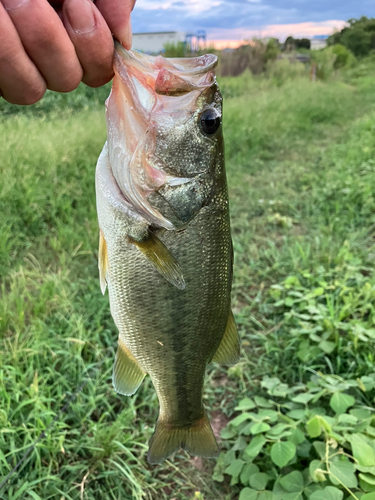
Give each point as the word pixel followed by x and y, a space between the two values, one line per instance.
pixel 358 37
pixel 356 41
pixel 178 49
pixel 344 58
pixel 83 99
pixel 296 415
pixel 252 57
pixel 272 49
pixel 297 43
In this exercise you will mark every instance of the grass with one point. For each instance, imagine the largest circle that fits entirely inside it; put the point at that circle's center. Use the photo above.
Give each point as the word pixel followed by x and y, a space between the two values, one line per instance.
pixel 301 170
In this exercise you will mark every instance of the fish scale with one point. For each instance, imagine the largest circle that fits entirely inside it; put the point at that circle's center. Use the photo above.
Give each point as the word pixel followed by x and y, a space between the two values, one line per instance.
pixel 169 281
pixel 158 313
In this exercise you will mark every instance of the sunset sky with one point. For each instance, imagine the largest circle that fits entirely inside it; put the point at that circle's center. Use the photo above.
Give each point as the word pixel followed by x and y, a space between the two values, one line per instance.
pixel 235 20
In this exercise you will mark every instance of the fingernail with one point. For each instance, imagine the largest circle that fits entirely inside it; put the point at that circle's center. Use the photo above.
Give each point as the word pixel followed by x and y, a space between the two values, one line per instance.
pixel 13 4
pixel 80 16
pixel 126 36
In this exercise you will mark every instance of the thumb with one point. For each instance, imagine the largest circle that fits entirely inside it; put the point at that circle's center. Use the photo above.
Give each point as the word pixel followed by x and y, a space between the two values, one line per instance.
pixel 117 15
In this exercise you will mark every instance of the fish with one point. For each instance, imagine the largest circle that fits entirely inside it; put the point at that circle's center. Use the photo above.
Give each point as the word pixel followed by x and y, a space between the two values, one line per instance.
pixel 165 247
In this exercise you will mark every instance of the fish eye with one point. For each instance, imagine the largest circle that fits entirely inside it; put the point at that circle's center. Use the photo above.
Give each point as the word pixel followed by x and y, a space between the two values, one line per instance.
pixel 210 121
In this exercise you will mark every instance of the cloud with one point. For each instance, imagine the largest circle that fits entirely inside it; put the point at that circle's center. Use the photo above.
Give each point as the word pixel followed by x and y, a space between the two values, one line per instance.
pixel 219 16
pixel 194 7
pixel 280 31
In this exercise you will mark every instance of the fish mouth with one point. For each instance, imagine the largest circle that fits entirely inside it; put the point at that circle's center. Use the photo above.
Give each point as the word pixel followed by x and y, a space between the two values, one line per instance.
pixel 144 85
pixel 171 76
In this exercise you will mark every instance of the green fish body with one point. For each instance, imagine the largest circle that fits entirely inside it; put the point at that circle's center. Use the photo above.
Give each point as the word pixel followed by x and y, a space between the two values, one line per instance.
pixel 165 246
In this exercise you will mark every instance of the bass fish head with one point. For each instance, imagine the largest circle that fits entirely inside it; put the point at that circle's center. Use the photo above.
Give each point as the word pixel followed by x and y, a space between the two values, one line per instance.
pixel 164 134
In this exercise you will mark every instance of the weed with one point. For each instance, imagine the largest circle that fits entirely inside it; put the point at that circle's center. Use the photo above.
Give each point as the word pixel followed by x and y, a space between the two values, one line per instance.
pixel 301 180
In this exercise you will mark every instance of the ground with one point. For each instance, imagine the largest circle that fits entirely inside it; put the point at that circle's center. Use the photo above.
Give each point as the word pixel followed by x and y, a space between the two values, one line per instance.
pixel 301 173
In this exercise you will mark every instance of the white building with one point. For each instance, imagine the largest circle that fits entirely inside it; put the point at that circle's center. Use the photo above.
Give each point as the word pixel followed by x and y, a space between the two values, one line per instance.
pixel 153 43
pixel 318 43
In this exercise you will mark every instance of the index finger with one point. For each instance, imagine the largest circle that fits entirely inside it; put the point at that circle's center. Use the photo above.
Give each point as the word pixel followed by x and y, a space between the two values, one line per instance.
pixel 117 15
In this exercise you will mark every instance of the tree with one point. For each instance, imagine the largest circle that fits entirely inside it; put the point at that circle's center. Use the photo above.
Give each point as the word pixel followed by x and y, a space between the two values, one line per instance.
pixel 272 49
pixel 303 43
pixel 358 41
pixel 296 43
pixel 358 36
pixel 289 44
pixel 344 58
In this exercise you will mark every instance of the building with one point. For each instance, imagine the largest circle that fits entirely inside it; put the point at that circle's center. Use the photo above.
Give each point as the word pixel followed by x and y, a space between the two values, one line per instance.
pixel 153 43
pixel 319 42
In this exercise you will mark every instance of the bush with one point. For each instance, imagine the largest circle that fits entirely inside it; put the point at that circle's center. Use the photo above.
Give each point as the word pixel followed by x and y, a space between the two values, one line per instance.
pixel 358 37
pixel 330 59
pixel 325 62
pixel 251 56
pixel 303 43
pixel 363 69
pixel 272 49
pixel 174 49
pixel 297 43
pixel 358 41
pixel 283 70
pixel 344 58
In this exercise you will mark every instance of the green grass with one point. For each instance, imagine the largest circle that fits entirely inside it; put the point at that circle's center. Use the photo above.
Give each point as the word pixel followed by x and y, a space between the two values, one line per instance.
pixel 301 170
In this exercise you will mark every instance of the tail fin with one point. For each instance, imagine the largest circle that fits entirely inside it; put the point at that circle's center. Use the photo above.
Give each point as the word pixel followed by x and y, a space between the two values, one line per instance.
pixel 197 440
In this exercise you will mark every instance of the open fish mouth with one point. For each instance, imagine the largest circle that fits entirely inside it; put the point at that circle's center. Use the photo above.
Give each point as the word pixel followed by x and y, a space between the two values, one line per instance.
pixel 172 76
pixel 149 96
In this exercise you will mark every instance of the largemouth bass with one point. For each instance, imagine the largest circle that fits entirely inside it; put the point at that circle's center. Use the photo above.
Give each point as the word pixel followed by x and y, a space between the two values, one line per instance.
pixel 165 248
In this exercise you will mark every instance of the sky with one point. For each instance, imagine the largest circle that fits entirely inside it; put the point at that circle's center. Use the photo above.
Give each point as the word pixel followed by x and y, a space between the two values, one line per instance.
pixel 228 20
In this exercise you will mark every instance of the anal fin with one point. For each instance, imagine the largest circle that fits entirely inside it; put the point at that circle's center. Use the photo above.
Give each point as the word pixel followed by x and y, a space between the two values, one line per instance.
pixel 103 262
pixel 228 352
pixel 161 258
pixel 127 374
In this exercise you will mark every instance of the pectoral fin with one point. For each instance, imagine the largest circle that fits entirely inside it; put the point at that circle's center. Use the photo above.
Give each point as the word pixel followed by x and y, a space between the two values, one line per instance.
pixel 127 374
pixel 228 352
pixel 103 262
pixel 161 258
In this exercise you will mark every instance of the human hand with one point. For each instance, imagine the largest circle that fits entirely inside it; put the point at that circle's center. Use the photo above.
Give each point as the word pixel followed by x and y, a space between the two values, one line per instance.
pixel 58 43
